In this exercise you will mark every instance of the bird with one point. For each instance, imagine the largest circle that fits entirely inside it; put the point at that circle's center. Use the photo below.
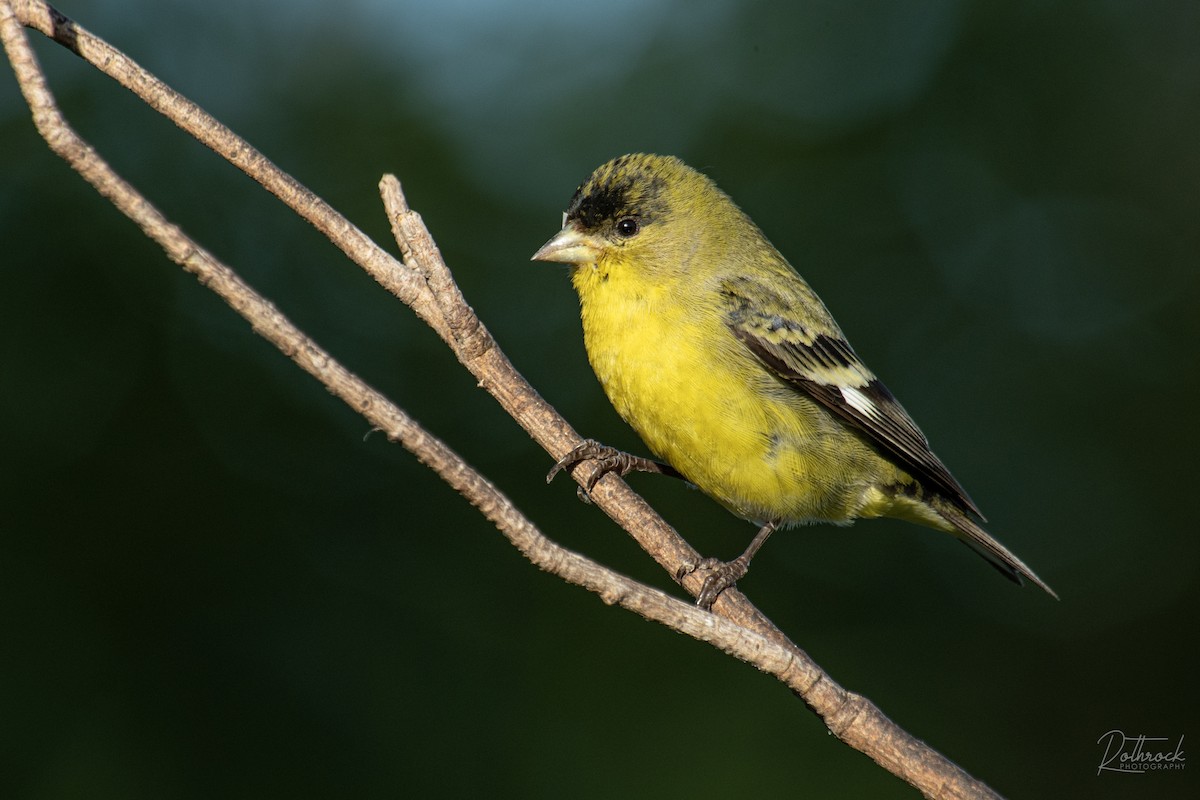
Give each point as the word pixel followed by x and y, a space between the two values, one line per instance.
pixel 727 364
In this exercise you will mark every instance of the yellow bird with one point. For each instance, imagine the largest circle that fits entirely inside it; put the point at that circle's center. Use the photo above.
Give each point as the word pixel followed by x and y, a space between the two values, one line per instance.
pixel 732 371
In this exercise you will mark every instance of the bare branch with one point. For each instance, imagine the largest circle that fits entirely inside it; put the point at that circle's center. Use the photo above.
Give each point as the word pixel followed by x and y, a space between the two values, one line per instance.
pixel 424 283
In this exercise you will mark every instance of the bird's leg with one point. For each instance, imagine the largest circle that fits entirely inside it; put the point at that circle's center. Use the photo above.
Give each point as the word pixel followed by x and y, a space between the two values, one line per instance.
pixel 723 574
pixel 608 459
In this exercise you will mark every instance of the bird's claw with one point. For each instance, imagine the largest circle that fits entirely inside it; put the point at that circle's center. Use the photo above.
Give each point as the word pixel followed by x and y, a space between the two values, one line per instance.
pixel 607 459
pixel 721 576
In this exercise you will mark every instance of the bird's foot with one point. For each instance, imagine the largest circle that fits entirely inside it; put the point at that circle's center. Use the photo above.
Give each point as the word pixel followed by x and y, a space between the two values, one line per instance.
pixel 607 459
pixel 721 576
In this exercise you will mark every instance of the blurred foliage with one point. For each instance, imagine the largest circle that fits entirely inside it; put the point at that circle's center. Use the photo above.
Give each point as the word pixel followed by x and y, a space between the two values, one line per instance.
pixel 215 583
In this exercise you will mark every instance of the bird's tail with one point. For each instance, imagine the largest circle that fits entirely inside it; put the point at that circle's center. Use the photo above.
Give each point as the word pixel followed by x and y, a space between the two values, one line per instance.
pixel 982 542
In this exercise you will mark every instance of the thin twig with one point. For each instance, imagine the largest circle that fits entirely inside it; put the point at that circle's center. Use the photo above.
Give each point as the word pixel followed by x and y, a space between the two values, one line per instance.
pixel 425 284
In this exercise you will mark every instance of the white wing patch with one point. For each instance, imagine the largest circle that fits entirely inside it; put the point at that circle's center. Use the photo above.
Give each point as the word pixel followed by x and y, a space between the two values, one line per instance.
pixel 859 402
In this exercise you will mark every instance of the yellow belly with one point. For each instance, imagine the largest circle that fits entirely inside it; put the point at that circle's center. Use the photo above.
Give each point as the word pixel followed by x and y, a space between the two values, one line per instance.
pixel 701 401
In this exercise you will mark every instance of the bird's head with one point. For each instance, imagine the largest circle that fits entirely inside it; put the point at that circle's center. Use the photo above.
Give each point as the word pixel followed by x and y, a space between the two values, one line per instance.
pixel 645 213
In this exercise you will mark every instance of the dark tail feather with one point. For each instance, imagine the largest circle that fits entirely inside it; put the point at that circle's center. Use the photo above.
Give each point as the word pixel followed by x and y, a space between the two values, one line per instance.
pixel 996 554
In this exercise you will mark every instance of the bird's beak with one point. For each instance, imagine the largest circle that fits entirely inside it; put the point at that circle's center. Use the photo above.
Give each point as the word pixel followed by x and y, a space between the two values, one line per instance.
pixel 570 246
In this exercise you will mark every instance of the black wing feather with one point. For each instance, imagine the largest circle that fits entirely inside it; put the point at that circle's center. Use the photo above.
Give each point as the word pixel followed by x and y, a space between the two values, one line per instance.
pixel 806 359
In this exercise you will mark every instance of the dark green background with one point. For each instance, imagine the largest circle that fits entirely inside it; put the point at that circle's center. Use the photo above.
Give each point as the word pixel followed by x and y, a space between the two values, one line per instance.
pixel 214 583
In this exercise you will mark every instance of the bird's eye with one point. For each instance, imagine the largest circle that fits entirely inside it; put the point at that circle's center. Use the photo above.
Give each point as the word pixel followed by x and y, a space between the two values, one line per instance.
pixel 628 227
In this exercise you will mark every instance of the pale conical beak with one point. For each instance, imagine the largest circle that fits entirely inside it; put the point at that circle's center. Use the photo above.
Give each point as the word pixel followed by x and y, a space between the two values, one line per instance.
pixel 570 246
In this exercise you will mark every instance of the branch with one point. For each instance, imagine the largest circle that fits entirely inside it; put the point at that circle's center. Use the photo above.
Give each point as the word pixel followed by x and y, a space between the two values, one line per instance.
pixel 424 283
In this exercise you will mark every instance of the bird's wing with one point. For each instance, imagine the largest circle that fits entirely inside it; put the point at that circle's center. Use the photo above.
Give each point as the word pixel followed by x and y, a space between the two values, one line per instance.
pixel 817 360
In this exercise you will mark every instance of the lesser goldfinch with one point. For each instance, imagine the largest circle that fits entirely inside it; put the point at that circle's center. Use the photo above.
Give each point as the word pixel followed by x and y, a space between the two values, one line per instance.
pixel 730 368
